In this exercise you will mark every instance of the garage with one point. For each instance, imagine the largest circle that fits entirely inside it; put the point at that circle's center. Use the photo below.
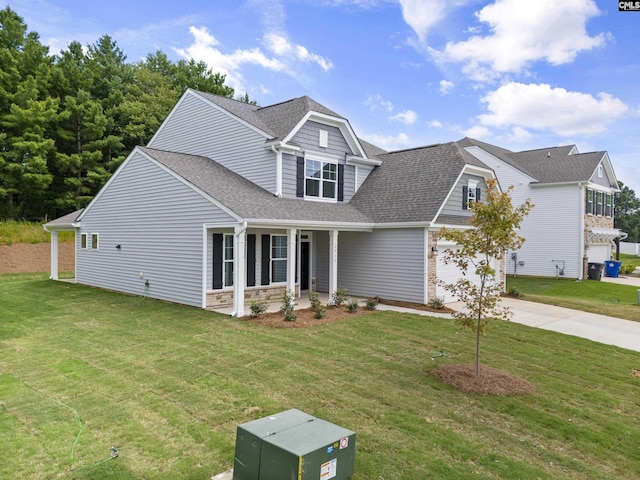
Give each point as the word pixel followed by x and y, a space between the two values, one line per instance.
pixel 450 273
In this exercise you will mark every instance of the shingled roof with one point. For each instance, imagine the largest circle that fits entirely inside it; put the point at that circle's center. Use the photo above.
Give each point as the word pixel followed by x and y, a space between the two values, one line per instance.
pixel 546 165
pixel 411 185
pixel 247 199
pixel 276 120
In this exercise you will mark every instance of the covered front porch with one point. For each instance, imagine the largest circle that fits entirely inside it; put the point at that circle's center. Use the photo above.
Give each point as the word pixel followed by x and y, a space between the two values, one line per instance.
pixel 261 261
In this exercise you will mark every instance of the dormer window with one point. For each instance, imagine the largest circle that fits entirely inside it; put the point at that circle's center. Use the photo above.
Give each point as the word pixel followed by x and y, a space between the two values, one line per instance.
pixel 470 194
pixel 321 179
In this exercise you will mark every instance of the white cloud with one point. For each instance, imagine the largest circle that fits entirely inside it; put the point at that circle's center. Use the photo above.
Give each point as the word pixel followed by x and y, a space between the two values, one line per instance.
pixel 544 30
pixel 375 102
pixel 541 107
pixel 282 47
pixel 520 135
pixel 446 86
pixel 388 142
pixel 408 117
pixel 478 131
pixel 435 124
pixel 422 15
pixel 207 48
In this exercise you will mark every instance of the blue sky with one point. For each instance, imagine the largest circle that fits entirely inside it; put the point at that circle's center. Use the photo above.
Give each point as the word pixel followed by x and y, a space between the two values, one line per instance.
pixel 515 73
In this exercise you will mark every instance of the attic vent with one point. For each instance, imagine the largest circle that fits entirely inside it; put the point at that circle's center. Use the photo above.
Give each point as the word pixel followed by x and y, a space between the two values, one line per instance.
pixel 548 154
pixel 323 140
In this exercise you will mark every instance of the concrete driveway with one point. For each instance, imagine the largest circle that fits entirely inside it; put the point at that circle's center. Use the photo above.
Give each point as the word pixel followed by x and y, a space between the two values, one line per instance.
pixel 599 328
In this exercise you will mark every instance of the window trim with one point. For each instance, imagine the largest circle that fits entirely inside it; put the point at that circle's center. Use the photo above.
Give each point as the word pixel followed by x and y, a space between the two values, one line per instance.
pixel 323 160
pixel 226 262
pixel 95 240
pixel 83 241
pixel 273 259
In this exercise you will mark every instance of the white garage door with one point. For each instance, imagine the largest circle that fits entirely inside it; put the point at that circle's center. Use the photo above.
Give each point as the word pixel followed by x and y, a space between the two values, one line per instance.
pixel 450 273
pixel 599 253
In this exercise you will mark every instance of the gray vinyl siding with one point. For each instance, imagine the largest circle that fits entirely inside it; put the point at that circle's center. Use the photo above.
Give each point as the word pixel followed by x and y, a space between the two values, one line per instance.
pixel 198 128
pixel 158 221
pixel 321 261
pixel 289 176
pixel 307 138
pixel 453 205
pixel 602 181
pixel 362 173
pixel 388 263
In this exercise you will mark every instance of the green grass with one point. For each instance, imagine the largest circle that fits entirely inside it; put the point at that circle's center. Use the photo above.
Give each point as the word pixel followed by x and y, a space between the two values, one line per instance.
pixel 590 296
pixel 13 231
pixel 168 385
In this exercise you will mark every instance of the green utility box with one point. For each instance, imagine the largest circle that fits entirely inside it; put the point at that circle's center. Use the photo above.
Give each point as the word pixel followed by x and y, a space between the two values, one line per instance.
pixel 293 445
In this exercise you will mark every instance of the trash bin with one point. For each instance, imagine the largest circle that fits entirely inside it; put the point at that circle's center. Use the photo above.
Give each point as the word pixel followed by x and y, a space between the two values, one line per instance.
pixel 595 270
pixel 613 268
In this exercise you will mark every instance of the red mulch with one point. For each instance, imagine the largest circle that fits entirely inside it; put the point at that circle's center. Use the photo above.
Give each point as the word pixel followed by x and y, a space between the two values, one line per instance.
pixel 490 382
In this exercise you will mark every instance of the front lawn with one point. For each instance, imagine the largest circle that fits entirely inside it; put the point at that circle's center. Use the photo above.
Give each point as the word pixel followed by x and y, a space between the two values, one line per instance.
pixel 589 295
pixel 82 370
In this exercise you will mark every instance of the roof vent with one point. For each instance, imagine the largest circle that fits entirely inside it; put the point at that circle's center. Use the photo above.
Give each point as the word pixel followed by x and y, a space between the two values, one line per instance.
pixel 548 154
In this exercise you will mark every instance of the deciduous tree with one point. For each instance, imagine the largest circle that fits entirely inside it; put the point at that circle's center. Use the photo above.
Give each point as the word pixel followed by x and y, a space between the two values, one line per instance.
pixel 493 229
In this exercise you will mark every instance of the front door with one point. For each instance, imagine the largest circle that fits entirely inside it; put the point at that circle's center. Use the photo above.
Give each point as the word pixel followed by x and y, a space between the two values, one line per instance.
pixel 305 263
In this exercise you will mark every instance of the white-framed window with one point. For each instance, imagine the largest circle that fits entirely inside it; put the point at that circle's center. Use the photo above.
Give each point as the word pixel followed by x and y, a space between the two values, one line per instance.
pixel 278 258
pixel 83 241
pixel 321 179
pixel 94 241
pixel 471 192
pixel 227 261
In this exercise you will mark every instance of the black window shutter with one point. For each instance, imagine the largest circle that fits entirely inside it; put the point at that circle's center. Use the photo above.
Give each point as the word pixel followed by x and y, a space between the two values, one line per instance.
pixel 478 192
pixel 300 177
pixel 266 259
pixel 217 260
pixel 251 260
pixel 340 183
pixel 465 197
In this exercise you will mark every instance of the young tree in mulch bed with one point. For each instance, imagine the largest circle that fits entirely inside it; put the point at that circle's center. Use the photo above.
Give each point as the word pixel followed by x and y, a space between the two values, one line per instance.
pixel 494 225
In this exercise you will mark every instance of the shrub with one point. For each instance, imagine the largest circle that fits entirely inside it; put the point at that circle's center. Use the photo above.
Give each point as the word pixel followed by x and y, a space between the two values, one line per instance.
pixel 372 303
pixel 626 269
pixel 352 306
pixel 437 303
pixel 257 307
pixel 514 292
pixel 339 296
pixel 316 305
pixel 288 306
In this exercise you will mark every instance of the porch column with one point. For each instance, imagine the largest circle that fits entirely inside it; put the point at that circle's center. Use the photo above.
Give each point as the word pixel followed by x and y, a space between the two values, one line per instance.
pixel 54 255
pixel 291 260
pixel 333 262
pixel 239 268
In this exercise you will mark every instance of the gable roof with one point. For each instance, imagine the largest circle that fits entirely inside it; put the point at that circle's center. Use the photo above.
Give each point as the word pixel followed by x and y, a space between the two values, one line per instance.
pixel 546 165
pixel 277 120
pixel 245 198
pixel 411 185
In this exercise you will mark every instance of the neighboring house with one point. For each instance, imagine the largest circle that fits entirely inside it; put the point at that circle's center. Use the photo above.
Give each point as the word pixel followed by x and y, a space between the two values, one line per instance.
pixel 571 224
pixel 231 202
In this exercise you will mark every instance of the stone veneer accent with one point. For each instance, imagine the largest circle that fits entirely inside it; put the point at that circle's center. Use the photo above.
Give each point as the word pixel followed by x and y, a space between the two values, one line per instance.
pixel 598 221
pixel 432 265
pixel 224 298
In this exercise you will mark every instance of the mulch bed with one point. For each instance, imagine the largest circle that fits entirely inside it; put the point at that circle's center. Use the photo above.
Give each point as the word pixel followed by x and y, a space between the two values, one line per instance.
pixel 490 382
pixel 305 317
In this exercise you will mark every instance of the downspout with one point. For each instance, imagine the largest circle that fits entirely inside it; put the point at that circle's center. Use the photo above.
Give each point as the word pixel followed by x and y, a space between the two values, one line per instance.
pixel 236 273
pixel 583 208
pixel 278 192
